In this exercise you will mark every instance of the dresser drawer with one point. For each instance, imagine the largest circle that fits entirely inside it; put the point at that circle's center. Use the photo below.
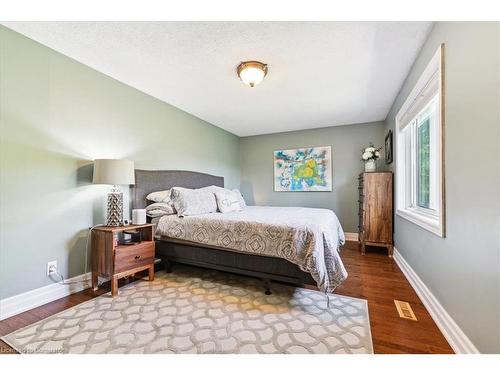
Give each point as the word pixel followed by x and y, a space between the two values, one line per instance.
pixel 132 256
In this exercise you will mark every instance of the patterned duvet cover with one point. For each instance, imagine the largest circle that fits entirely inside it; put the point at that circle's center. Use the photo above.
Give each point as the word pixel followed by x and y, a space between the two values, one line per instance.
pixel 307 237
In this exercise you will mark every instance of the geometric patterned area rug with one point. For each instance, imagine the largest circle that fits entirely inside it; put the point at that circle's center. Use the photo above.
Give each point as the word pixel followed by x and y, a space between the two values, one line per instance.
pixel 193 310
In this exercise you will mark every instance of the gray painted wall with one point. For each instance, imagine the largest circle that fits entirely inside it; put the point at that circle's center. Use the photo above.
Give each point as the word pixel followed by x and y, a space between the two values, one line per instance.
pixel 56 116
pixel 347 141
pixel 462 270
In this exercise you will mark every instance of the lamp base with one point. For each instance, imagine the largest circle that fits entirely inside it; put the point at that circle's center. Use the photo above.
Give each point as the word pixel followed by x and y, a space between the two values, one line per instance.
pixel 114 217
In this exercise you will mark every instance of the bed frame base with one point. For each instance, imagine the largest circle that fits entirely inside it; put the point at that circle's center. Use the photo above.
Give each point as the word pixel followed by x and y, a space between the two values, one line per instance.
pixel 262 267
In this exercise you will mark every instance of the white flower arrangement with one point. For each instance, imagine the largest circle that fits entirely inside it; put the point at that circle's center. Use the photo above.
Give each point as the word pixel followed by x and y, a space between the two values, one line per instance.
pixel 371 152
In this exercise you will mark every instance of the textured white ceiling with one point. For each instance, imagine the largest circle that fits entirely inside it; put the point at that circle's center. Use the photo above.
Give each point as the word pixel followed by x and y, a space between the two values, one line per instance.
pixel 320 73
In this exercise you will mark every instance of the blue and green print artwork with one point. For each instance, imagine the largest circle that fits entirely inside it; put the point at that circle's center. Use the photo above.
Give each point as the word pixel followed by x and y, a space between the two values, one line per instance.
pixel 303 169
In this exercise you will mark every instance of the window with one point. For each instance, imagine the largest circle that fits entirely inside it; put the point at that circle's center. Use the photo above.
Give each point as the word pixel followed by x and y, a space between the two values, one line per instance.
pixel 419 161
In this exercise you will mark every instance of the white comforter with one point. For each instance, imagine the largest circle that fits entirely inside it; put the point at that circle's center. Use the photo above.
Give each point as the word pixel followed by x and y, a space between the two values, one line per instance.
pixel 307 237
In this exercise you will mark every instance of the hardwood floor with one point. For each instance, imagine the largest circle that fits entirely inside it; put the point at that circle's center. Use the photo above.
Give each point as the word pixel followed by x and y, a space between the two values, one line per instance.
pixel 376 278
pixel 373 276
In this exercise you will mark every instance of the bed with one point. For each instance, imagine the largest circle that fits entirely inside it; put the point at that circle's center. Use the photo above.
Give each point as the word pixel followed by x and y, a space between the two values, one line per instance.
pixel 257 241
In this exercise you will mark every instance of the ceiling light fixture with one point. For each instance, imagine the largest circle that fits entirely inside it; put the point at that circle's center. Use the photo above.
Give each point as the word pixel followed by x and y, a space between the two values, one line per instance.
pixel 252 72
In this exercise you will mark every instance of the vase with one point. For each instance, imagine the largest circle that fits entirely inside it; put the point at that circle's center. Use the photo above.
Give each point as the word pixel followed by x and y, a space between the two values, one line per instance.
pixel 370 165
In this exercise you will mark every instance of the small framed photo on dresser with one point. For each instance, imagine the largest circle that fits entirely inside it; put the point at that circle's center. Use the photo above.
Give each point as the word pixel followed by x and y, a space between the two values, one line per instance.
pixel 388 147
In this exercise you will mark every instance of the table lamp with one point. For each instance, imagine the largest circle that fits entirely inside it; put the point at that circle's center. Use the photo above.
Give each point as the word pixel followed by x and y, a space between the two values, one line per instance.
pixel 114 172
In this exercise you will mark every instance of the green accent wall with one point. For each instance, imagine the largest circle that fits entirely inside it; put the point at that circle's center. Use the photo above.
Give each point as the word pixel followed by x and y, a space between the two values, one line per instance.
pixel 257 168
pixel 56 116
pixel 463 269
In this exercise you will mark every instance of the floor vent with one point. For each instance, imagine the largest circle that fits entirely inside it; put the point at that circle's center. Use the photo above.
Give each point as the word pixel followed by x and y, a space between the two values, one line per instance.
pixel 404 310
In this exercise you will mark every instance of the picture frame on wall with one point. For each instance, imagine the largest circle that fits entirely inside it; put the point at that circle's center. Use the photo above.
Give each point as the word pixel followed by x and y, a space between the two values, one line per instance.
pixel 388 148
pixel 304 169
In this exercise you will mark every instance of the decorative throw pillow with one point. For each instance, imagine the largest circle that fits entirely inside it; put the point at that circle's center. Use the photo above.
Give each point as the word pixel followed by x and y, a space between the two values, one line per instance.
pixel 159 196
pixel 189 202
pixel 217 189
pixel 243 204
pixel 174 192
pixel 227 201
pixel 213 189
pixel 160 209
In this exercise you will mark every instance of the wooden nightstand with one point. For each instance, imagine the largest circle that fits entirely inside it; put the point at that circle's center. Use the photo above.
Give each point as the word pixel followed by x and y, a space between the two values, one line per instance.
pixel 113 260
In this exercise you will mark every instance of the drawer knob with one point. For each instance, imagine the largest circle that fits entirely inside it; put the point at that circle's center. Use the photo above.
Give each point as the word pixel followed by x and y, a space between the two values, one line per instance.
pixel 137 256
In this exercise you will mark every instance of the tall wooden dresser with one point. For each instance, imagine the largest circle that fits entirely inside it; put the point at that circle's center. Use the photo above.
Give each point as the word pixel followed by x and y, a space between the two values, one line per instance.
pixel 375 210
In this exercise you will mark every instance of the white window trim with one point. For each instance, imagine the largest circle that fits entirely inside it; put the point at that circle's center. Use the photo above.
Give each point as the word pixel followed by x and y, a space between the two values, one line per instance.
pixel 431 220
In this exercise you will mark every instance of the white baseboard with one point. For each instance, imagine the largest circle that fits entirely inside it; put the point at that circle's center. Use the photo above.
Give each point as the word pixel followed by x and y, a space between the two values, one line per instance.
pixel 457 339
pixel 351 236
pixel 25 301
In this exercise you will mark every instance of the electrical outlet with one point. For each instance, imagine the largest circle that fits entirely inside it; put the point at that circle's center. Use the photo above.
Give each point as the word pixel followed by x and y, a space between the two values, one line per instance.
pixel 51 267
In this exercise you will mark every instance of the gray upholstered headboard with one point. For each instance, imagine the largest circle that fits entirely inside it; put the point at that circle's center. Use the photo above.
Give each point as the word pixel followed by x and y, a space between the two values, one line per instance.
pixel 149 181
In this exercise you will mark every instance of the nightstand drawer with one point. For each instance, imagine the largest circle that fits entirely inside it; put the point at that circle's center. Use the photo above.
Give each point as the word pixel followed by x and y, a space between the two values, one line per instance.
pixel 115 261
pixel 132 256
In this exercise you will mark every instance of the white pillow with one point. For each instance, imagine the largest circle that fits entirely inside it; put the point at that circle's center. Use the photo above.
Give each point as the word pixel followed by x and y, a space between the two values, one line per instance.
pixel 213 189
pixel 243 204
pixel 189 202
pixel 159 196
pixel 160 209
pixel 227 201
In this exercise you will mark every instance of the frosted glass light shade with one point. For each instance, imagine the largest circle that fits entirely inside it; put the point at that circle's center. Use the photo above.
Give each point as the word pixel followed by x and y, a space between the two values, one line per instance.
pixel 114 172
pixel 252 72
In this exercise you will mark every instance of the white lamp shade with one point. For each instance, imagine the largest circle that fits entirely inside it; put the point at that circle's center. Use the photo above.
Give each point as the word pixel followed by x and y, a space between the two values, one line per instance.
pixel 252 76
pixel 252 72
pixel 114 172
